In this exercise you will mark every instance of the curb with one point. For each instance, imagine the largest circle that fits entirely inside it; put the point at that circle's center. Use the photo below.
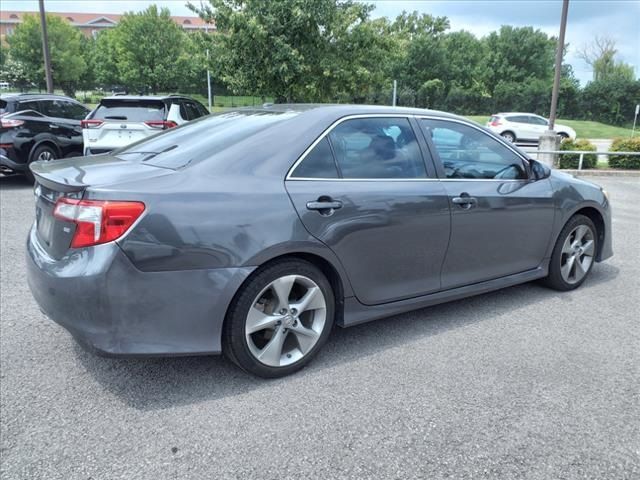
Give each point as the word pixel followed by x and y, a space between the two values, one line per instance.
pixel 594 172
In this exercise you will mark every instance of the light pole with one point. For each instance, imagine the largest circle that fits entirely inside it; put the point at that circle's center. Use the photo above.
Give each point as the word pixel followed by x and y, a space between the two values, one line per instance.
pixel 549 141
pixel 556 78
pixel 208 82
pixel 45 48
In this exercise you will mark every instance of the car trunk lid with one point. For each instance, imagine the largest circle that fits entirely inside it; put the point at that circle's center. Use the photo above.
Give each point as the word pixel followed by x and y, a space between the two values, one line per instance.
pixel 70 179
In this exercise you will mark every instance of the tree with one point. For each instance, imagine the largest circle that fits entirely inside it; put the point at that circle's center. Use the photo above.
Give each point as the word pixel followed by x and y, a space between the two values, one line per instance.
pixel 600 56
pixel 15 73
pixel 142 51
pixel 291 49
pixel 518 54
pixel 65 43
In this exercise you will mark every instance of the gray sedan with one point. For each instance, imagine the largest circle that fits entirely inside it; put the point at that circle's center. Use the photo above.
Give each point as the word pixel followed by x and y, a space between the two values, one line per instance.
pixel 254 232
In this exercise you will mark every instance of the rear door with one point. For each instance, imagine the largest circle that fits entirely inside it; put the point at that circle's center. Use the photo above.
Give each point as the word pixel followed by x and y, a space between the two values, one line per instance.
pixel 366 191
pixel 501 221
pixel 124 121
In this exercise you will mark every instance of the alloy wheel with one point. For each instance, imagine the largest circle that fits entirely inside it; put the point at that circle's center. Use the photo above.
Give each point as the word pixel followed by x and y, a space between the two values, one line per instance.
pixel 578 251
pixel 45 156
pixel 285 320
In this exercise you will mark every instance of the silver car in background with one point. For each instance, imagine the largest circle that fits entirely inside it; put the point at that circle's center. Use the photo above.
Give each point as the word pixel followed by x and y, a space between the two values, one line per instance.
pixel 525 127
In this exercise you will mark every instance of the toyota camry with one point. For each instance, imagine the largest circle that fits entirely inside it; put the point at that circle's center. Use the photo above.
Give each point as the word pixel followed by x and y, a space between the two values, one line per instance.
pixel 253 232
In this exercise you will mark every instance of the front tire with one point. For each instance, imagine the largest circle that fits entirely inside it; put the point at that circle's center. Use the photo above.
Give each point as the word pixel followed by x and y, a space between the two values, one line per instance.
pixel 279 319
pixel 573 255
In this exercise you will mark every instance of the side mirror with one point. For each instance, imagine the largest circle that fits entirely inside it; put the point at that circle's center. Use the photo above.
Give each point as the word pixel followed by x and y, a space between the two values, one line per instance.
pixel 539 170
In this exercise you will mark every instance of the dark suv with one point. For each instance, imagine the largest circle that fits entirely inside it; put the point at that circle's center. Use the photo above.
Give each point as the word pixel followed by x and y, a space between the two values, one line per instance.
pixel 38 127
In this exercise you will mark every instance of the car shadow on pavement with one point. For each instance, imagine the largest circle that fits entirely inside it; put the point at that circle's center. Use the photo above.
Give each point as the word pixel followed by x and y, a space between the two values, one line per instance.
pixel 159 383
pixel 14 182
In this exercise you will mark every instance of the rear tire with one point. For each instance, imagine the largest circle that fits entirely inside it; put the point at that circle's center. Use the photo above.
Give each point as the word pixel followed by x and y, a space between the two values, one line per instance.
pixel 508 136
pixel 573 255
pixel 44 153
pixel 279 319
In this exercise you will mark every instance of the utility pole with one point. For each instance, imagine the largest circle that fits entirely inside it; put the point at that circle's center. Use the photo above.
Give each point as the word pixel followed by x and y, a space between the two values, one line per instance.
pixel 395 89
pixel 208 82
pixel 45 48
pixel 549 141
pixel 556 78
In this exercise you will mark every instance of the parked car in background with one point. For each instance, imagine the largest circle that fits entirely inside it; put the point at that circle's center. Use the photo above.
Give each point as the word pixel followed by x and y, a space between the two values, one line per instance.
pixel 5 85
pixel 525 127
pixel 120 120
pixel 253 232
pixel 38 127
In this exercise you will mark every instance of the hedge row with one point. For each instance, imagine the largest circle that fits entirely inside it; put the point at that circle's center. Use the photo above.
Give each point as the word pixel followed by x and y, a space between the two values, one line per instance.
pixel 625 161
pixel 572 160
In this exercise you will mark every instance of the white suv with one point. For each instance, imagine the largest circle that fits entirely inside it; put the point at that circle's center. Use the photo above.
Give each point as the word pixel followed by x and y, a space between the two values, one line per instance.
pixel 525 127
pixel 123 119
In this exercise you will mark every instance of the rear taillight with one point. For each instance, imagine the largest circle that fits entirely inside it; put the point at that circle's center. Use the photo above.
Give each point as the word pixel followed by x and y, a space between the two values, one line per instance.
pixel 495 123
pixel 91 123
pixel 161 124
pixel 10 123
pixel 97 221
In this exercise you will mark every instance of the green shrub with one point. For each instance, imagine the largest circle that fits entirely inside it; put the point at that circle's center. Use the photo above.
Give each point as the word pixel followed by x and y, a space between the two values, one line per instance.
pixel 625 161
pixel 572 160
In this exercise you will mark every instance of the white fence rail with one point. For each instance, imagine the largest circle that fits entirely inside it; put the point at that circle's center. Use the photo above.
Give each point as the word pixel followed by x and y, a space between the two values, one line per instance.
pixel 582 153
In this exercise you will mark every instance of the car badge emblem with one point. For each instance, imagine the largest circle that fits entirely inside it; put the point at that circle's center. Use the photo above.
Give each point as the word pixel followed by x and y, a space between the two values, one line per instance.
pixel 123 125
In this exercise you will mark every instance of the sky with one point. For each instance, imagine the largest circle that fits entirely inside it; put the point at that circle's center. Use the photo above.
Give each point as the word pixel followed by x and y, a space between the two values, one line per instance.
pixel 617 19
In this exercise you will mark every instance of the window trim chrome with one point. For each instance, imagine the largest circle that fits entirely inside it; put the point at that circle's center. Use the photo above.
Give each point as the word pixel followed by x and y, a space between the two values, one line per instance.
pixel 328 130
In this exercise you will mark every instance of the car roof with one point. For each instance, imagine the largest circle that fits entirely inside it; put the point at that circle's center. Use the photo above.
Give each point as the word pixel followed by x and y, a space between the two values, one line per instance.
pixel 34 96
pixel 341 110
pixel 519 113
pixel 145 97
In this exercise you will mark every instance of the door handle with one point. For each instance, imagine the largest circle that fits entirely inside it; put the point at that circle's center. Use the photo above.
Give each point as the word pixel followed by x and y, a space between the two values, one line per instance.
pixel 324 205
pixel 465 201
pixel 51 125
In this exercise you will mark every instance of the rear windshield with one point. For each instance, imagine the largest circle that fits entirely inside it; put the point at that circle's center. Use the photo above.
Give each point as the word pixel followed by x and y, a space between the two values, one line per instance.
pixel 131 110
pixel 201 138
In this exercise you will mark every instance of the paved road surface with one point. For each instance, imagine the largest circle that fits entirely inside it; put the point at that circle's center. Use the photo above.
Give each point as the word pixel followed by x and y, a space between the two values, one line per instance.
pixel 521 383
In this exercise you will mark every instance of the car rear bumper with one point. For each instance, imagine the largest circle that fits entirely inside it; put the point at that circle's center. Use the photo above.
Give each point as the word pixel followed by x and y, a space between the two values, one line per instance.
pixel 111 307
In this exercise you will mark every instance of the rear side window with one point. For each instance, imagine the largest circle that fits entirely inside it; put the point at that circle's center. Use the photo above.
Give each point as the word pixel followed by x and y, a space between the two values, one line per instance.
pixel 130 110
pixel 74 111
pixel 3 107
pixel 518 119
pixel 318 163
pixel 377 148
pixel 192 110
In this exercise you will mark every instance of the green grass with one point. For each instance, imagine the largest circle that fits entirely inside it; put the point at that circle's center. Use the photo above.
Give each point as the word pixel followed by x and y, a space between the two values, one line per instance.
pixel 583 128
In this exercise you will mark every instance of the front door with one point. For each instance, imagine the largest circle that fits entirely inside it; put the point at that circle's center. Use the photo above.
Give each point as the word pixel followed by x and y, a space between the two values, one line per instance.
pixel 365 191
pixel 501 221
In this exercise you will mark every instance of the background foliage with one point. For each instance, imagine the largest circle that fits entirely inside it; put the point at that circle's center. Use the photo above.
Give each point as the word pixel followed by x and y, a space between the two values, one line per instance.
pixel 326 51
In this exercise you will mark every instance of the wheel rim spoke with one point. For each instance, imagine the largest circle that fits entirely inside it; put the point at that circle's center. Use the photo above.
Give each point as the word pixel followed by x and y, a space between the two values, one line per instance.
pixel 580 233
pixel 588 248
pixel 580 269
pixel 306 337
pixel 566 248
pixel 282 288
pixel 312 300
pixel 272 352
pixel 257 320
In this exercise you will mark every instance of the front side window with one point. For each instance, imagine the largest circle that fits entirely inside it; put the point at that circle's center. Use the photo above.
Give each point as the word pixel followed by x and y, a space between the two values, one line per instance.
pixel 469 153
pixel 377 148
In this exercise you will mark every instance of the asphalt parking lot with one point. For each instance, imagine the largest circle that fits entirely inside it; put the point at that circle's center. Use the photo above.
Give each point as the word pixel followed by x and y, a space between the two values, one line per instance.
pixel 520 383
